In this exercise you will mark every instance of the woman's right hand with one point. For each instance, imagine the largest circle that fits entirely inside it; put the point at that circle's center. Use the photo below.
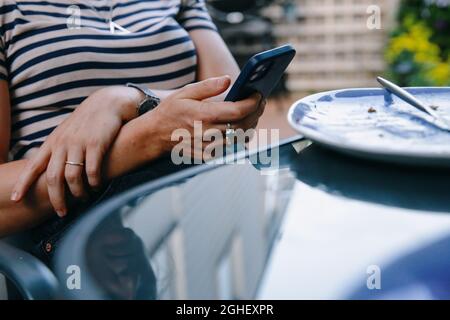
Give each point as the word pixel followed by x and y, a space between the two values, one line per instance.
pixel 194 103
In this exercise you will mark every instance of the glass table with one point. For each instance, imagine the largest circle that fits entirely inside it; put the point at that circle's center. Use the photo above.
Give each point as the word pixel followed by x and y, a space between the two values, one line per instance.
pixel 319 225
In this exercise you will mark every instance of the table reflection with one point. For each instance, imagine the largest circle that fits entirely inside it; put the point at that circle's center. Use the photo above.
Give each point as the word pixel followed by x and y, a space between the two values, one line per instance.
pixel 309 229
pixel 117 258
pixel 348 216
pixel 209 237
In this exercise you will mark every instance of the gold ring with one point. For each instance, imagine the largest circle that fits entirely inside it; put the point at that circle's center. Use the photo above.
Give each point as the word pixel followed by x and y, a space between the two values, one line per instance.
pixel 80 164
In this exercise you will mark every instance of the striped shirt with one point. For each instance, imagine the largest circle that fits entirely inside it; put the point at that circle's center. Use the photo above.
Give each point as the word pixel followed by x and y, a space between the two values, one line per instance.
pixel 55 53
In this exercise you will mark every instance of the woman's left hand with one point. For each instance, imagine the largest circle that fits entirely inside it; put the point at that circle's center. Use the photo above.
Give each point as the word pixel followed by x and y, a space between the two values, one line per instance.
pixel 83 138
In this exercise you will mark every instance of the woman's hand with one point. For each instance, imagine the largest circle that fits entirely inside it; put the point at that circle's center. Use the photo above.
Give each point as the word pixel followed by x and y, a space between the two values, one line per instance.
pixel 198 102
pixel 84 137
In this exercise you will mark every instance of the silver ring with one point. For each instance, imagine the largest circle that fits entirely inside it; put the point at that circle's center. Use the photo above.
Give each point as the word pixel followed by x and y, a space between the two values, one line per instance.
pixel 80 164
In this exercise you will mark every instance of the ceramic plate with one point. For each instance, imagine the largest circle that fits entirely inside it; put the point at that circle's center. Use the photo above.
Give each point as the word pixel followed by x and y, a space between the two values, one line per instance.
pixel 373 123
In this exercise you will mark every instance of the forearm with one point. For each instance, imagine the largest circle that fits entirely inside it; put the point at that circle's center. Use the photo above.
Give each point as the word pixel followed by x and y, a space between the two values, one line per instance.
pixel 137 144
pixel 129 151
pixel 220 62
pixel 34 208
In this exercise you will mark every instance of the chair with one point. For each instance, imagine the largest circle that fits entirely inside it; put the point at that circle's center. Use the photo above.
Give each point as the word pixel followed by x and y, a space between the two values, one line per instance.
pixel 31 277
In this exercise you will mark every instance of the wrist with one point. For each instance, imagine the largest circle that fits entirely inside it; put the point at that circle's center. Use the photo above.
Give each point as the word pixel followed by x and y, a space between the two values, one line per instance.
pixel 126 101
pixel 137 144
pixel 149 136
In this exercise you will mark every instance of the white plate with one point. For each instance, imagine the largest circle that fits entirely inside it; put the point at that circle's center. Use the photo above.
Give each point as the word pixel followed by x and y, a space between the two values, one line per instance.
pixel 375 124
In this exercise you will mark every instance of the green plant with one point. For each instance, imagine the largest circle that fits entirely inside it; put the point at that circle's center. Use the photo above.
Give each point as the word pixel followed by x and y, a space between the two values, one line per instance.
pixel 418 53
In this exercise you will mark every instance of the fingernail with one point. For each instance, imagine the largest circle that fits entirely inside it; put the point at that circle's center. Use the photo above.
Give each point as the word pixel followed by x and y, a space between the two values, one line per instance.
pixel 15 196
pixel 60 213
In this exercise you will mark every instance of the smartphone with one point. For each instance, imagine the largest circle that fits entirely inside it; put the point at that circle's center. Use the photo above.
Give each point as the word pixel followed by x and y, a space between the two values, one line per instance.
pixel 261 73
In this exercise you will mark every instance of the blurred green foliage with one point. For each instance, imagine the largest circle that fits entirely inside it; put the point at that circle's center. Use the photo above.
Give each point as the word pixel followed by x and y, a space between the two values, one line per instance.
pixel 418 53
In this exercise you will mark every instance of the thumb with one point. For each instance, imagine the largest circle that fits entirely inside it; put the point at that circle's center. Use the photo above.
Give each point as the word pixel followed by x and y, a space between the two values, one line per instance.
pixel 205 89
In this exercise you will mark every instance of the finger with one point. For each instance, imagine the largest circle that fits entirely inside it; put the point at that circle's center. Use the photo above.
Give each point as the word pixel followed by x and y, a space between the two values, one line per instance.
pixel 94 158
pixel 220 128
pixel 246 123
pixel 74 173
pixel 55 182
pixel 204 89
pixel 252 120
pixel 223 112
pixel 32 171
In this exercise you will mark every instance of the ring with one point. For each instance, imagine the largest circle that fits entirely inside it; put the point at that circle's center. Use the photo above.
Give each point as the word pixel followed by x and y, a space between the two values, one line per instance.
pixel 229 134
pixel 80 164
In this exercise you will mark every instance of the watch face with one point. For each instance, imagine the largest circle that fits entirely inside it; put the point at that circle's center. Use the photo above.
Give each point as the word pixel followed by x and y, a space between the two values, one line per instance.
pixel 148 104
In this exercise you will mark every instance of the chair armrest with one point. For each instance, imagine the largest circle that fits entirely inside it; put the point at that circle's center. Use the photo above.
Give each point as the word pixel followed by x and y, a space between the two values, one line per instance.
pixel 30 276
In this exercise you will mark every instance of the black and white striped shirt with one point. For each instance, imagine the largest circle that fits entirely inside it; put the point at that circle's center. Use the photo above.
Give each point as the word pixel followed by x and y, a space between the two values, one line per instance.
pixel 55 53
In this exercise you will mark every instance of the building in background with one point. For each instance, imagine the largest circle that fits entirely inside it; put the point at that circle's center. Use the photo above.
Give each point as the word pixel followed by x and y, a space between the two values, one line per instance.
pixel 336 48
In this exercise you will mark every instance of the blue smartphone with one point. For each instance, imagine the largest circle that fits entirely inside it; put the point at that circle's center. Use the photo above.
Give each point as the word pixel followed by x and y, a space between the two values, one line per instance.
pixel 261 73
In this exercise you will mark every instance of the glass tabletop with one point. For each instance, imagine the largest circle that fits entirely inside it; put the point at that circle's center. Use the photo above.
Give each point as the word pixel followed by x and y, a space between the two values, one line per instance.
pixel 319 225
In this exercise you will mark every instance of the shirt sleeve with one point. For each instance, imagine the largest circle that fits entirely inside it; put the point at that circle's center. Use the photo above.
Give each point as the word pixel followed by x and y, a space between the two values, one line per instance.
pixel 3 70
pixel 194 15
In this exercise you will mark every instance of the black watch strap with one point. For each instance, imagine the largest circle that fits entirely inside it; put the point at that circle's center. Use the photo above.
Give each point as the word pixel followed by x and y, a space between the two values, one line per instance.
pixel 150 101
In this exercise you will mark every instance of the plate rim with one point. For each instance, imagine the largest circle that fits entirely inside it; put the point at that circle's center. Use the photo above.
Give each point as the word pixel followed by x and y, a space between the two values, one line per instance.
pixel 356 148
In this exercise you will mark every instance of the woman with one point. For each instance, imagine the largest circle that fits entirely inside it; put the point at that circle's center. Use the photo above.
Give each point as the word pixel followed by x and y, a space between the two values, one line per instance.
pixel 68 122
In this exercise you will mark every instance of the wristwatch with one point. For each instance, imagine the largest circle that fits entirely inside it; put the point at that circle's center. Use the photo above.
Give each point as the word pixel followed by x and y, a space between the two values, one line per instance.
pixel 150 102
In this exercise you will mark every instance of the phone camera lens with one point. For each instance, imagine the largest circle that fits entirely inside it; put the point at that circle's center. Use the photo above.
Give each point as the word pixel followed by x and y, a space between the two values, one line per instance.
pixel 254 77
pixel 260 68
